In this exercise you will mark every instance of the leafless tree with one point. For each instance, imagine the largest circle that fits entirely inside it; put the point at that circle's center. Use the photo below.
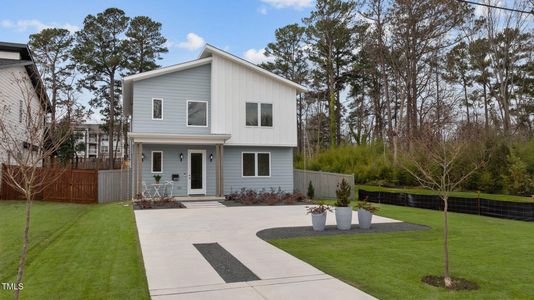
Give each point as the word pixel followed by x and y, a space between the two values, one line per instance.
pixel 437 161
pixel 27 143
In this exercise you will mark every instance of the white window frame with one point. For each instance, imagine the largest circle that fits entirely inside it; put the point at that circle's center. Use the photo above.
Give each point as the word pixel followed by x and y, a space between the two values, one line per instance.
pixel 152 162
pixel 187 113
pixel 152 111
pixel 256 164
pixel 259 114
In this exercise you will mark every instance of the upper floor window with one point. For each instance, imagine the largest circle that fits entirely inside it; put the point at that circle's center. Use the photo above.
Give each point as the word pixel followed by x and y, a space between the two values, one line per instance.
pixel 157 109
pixel 197 113
pixel 259 114
pixel 104 149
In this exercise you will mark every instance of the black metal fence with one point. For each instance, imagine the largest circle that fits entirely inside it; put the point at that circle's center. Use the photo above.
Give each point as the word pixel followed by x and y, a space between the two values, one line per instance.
pixel 477 206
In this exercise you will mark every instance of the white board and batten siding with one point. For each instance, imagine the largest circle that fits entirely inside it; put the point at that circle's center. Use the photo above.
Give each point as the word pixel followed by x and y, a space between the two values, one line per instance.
pixel 232 86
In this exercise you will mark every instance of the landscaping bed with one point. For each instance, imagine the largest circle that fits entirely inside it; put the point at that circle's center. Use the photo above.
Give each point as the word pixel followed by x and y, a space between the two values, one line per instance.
pixel 263 197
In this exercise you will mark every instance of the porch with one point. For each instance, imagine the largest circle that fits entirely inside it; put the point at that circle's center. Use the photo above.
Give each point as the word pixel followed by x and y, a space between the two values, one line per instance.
pixel 192 165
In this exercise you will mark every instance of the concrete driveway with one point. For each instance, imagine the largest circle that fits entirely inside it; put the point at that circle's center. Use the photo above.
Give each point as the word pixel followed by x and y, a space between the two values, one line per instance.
pixel 177 270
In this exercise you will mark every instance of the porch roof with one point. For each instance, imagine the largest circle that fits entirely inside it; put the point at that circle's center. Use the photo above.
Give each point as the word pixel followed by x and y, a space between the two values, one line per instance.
pixel 168 138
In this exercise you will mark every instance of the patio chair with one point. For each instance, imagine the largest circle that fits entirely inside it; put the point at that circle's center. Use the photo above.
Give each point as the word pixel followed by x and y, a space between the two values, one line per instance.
pixel 145 192
pixel 167 184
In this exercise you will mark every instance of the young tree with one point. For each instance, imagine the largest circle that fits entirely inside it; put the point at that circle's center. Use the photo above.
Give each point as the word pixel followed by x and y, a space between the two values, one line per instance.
pixel 101 54
pixel 330 35
pixel 27 144
pixel 51 50
pixel 290 62
pixel 437 160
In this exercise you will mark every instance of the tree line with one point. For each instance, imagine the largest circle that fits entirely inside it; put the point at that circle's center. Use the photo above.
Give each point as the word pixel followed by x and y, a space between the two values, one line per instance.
pixel 383 71
pixel 108 46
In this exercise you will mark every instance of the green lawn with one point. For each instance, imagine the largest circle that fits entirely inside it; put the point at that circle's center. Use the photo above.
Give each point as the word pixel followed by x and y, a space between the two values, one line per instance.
pixel 77 251
pixel 495 253
pixel 420 191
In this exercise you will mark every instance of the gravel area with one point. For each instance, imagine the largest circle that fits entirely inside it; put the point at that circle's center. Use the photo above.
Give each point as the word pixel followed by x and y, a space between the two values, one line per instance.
pixel 307 231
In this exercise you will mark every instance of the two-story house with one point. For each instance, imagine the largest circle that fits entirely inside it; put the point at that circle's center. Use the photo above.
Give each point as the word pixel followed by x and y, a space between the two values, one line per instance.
pixel 212 125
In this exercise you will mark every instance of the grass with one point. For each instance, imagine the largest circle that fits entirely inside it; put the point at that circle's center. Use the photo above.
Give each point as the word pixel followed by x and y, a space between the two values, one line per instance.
pixel 420 191
pixel 495 253
pixel 77 251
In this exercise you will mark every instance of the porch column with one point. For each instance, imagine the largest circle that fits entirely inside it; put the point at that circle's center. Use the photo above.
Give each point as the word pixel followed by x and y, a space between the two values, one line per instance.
pixel 138 167
pixel 219 178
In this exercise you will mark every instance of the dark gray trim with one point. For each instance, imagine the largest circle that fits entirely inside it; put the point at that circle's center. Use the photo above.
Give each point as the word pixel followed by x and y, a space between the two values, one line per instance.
pixel 226 265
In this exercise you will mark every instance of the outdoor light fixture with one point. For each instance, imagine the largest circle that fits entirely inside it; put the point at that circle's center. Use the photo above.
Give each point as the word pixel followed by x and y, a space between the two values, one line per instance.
pixel 181 156
pixel 211 157
pixel 142 156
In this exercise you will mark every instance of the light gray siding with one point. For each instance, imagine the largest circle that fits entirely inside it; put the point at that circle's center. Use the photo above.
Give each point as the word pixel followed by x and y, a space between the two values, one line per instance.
pixel 175 89
pixel 173 165
pixel 281 169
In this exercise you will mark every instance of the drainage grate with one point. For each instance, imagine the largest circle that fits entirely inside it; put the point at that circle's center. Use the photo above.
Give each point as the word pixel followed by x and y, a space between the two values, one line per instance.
pixel 226 265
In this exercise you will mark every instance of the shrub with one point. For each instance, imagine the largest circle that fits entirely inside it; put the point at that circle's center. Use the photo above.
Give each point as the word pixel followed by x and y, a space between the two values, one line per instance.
pixel 364 204
pixel 318 209
pixel 251 197
pixel 311 190
pixel 517 180
pixel 343 194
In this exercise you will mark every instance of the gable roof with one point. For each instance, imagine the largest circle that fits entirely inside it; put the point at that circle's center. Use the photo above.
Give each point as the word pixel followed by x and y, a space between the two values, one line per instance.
pixel 27 62
pixel 205 57
pixel 210 50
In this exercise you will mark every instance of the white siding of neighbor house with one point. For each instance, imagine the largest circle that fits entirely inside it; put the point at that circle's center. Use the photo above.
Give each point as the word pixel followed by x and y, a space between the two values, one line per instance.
pixel 232 86
pixel 10 95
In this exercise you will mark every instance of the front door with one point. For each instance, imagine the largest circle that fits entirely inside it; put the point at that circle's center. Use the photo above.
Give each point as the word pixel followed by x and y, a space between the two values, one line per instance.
pixel 196 165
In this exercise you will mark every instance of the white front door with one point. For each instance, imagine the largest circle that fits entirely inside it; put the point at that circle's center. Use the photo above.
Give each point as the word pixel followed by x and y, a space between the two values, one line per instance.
pixel 196 172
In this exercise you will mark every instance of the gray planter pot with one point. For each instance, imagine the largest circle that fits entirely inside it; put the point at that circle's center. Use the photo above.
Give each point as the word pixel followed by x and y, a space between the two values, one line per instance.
pixel 343 217
pixel 318 221
pixel 364 218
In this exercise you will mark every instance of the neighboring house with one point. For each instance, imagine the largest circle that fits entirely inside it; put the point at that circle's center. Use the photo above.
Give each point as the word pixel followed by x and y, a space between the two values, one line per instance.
pixel 95 142
pixel 18 76
pixel 213 125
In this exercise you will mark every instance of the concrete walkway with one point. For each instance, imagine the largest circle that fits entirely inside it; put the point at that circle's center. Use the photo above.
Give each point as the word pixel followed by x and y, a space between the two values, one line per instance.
pixel 176 270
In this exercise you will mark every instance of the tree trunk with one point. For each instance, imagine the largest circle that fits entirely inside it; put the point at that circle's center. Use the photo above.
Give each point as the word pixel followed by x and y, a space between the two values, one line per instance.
pixel 466 100
pixel 111 128
pixel 486 121
pixel 447 278
pixel 25 246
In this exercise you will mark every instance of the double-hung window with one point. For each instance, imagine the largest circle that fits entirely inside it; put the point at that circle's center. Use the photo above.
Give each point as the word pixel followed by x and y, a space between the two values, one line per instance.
pixel 157 109
pixel 157 162
pixel 256 164
pixel 259 114
pixel 197 113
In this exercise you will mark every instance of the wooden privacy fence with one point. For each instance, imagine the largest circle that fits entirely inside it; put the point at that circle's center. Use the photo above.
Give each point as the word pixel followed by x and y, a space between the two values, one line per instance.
pixel 324 183
pixel 68 185
pixel 114 185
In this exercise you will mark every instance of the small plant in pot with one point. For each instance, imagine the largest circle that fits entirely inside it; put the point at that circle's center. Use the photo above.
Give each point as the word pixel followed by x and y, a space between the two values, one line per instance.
pixel 318 215
pixel 343 209
pixel 365 214
pixel 157 178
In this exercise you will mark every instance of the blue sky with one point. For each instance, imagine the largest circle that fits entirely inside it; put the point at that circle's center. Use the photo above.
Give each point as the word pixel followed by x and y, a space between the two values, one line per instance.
pixel 242 27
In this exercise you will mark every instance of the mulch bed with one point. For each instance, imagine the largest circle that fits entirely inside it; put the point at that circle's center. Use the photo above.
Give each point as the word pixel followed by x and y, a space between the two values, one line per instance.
pixel 232 203
pixel 458 284
pixel 157 204
pixel 307 231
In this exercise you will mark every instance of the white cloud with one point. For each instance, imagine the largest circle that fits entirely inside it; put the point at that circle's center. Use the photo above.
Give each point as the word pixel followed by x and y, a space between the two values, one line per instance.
pixel 257 56
pixel 192 42
pixel 298 4
pixel 35 25
pixel 263 10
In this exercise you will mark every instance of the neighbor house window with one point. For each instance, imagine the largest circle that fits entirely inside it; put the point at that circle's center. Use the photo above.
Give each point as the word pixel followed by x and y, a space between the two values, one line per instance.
pixel 157 109
pixel 104 149
pixel 197 113
pixel 256 164
pixel 259 114
pixel 157 161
